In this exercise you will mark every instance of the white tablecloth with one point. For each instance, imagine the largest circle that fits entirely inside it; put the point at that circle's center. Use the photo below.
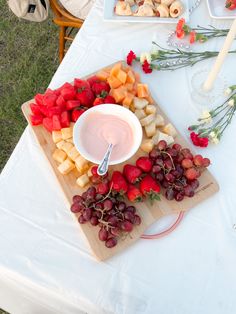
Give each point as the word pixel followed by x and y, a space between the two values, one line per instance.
pixel 45 264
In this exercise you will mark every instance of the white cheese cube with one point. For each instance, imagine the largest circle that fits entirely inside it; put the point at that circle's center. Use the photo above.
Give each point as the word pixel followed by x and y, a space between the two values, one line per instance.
pixel 147 145
pixel 170 130
pixel 82 180
pixel 59 155
pixel 150 129
pixel 162 136
pixel 66 147
pixel 60 144
pixel 89 172
pixel 81 163
pixel 151 109
pixel 70 140
pixel 66 166
pixel 140 103
pixel 56 136
pixel 147 120
pixel 67 133
pixel 159 120
pixel 140 113
pixel 73 153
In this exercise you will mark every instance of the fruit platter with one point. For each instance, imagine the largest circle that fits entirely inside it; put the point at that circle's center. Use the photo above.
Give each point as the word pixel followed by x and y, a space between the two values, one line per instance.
pixel 163 177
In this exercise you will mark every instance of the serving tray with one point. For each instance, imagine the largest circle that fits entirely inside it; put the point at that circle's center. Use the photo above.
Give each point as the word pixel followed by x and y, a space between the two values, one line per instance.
pixel 149 213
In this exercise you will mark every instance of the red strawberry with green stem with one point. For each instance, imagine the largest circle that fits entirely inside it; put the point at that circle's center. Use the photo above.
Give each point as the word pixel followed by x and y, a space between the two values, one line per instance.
pixel 132 173
pixel 150 188
pixel 134 194
pixel 76 113
pixel 144 163
pixel 118 183
pixel 100 87
pixel 85 96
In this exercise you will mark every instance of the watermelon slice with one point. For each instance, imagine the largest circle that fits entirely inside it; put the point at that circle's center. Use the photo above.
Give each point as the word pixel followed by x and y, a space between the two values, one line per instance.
pixel 56 123
pixel 49 100
pixel 56 110
pixel 36 119
pixel 71 104
pixel 65 119
pixel 47 123
pixel 35 109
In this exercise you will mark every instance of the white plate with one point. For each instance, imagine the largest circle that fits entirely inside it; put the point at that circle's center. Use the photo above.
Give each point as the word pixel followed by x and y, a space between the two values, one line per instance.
pixel 217 10
pixel 109 15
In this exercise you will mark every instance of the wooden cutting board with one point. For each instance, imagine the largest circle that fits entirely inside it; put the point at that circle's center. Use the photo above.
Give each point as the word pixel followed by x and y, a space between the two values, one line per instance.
pixel 149 213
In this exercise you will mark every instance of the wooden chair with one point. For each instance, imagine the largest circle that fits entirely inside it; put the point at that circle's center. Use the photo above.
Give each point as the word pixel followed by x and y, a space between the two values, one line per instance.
pixel 66 22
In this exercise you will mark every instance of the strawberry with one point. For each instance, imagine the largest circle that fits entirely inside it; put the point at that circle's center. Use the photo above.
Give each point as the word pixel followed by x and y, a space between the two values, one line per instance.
pixel 71 104
pixel 49 100
pixel 78 83
pixel 94 171
pixel 38 99
pixel 60 102
pixel 149 187
pixel 35 109
pixel 85 96
pixel 132 173
pixel 36 119
pixel 230 4
pixel 76 113
pixel 144 163
pixel 109 100
pixel 98 101
pixel 47 123
pixel 102 188
pixel 65 85
pixel 134 194
pixel 56 123
pixel 100 87
pixel 68 93
pixel 118 182
pixel 65 119
pixel 54 110
pixel 93 79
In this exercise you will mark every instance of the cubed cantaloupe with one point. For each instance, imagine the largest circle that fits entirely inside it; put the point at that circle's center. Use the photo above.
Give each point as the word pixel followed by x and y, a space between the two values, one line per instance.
pixel 128 100
pixel 119 93
pixel 142 90
pixel 114 82
pixel 130 77
pixel 116 68
pixel 122 76
pixel 129 86
pixel 102 75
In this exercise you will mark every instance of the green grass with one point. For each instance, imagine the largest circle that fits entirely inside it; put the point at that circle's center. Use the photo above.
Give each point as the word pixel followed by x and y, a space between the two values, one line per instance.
pixel 28 59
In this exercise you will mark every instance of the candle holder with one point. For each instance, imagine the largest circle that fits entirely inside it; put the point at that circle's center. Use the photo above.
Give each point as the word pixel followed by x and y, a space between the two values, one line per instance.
pixel 207 98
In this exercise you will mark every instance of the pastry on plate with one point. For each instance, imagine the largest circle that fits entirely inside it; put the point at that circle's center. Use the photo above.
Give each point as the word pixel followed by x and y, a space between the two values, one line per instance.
pixel 123 8
pixel 162 10
pixel 176 9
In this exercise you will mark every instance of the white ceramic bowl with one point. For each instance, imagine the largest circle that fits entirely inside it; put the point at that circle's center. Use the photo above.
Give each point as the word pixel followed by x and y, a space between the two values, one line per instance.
pixel 115 110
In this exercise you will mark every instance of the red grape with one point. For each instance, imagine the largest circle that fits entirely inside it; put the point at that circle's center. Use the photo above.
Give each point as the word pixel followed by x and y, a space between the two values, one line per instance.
pixel 103 234
pixel 76 207
pixel 191 174
pixel 113 221
pixel 131 209
pixel 94 221
pixel 159 162
pixel 194 184
pixel 156 169
pixel 137 220
pixel 77 198
pixel 115 231
pixel 121 206
pixel 188 191
pixel 186 163
pixel 198 160
pixel 126 226
pixel 206 162
pixel 168 164
pixel 170 194
pixel 172 152
pixel 162 145
pixel 111 242
pixel 159 176
pixel 87 214
pixel 177 147
pixel 103 188
pixel 154 153
pixel 169 177
pixel 129 216
pixel 179 196
pixel 81 220
pixel 107 204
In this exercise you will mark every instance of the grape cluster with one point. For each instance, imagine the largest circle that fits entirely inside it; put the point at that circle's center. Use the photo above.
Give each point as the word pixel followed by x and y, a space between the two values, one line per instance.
pixel 114 217
pixel 177 170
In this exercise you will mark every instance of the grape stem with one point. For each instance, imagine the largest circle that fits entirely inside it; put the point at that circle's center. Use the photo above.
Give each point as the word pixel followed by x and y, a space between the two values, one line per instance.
pixel 170 158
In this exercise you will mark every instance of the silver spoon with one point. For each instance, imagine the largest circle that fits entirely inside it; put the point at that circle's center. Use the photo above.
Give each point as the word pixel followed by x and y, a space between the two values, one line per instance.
pixel 103 167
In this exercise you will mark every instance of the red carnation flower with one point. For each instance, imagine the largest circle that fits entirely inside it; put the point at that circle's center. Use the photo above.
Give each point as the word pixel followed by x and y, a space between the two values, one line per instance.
pixel 146 67
pixel 192 38
pixel 130 57
pixel 199 141
pixel 180 24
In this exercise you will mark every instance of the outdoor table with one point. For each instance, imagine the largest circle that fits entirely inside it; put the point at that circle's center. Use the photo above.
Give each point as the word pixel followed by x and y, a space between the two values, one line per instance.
pixel 46 265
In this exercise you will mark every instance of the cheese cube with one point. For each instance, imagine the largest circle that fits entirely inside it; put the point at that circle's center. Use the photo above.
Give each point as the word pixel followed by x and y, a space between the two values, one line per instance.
pixel 147 120
pixel 155 137
pixel 70 140
pixel 159 120
pixel 89 172
pixel 56 136
pixel 60 144
pixel 73 153
pixel 59 155
pixel 140 103
pixel 82 180
pixel 66 147
pixel 67 133
pixel 162 136
pixel 81 163
pixel 150 129
pixel 140 113
pixel 170 130
pixel 151 109
pixel 147 145
pixel 66 166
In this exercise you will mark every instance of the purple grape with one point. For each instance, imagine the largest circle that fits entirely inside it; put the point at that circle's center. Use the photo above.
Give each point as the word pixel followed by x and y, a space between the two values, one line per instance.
pixel 121 206
pixel 103 234
pixel 115 231
pixel 170 194
pixel 169 177
pixel 98 197
pixel 137 220
pixel 77 207
pixel 107 204
pixel 91 193
pixel 87 214
pixel 126 226
pixel 113 221
pixel 129 216
pixel 81 220
pixel 94 221
pixel 154 153
pixel 159 162
pixel 159 176
pixel 179 196
pixel 194 184
pixel 131 209
pixel 188 191
pixel 110 243
pixel 77 198
pixel 156 169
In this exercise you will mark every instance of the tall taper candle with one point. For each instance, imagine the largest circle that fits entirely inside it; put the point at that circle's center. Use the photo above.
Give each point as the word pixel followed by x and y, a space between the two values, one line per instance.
pixel 207 86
